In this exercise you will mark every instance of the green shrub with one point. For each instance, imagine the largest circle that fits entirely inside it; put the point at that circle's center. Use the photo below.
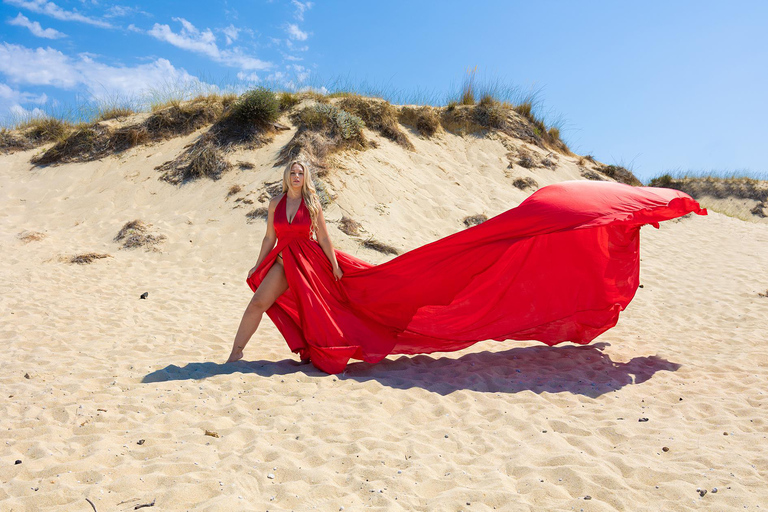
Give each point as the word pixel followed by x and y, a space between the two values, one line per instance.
pixel 259 106
pixel 377 115
pixel 424 119
pixel 288 101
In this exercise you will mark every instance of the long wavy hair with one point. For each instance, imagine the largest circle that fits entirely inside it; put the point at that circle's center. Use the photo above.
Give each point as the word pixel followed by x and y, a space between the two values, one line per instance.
pixel 308 191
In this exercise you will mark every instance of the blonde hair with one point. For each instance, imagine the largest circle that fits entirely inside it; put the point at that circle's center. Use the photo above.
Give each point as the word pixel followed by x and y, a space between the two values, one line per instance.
pixel 308 191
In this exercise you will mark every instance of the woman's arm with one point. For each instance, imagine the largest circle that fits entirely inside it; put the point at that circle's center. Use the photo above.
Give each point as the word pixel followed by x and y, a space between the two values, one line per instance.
pixel 269 237
pixel 324 239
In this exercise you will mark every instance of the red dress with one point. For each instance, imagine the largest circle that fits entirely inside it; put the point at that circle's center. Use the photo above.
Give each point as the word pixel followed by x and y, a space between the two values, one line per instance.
pixel 559 267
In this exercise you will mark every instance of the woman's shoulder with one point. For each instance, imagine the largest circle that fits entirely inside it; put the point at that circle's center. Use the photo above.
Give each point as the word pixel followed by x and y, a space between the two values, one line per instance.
pixel 275 200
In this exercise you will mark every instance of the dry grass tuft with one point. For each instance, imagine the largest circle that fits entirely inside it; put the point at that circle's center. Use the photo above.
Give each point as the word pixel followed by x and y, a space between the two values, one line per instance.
pixel 621 175
pixel 424 119
pixel 84 143
pixel 88 257
pixel 184 118
pixel 323 129
pixel 234 189
pixel 592 175
pixel 720 188
pixel 490 113
pixel 526 159
pixel 378 115
pixel 91 142
pixel 259 213
pixel 349 226
pixel 536 131
pixel 460 119
pixel 525 183
pixel 115 113
pixel 30 236
pixel 467 96
pixel 288 100
pixel 474 220
pixel 245 165
pixel 32 133
pixel 203 159
pixel 135 234
pixel 379 246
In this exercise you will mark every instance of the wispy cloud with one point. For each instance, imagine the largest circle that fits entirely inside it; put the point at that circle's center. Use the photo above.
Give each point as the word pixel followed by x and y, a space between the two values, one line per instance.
pixel 35 28
pixel 54 11
pixel 204 42
pixel 300 8
pixel 50 67
pixel 294 32
pixel 11 101
pixel 231 33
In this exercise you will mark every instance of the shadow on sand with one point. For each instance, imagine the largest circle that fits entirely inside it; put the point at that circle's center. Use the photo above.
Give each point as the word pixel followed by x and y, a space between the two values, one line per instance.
pixel 583 370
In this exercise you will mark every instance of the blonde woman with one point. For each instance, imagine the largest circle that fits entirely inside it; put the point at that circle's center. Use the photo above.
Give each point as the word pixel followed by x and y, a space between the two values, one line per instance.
pixel 559 267
pixel 293 216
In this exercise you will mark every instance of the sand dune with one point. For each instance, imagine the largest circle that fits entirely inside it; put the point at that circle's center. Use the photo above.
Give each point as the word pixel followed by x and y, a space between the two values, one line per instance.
pixel 109 396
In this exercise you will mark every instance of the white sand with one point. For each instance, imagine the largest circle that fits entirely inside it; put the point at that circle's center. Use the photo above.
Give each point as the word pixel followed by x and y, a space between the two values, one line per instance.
pixel 511 426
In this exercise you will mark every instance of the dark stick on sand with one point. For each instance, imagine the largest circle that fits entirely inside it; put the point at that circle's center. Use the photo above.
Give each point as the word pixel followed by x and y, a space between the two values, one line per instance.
pixel 137 507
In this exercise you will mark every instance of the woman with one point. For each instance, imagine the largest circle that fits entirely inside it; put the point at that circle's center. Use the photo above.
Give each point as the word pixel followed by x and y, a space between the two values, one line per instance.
pixel 559 267
pixel 298 192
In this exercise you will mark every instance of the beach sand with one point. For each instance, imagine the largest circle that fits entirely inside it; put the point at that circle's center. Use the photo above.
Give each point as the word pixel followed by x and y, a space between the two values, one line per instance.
pixel 125 401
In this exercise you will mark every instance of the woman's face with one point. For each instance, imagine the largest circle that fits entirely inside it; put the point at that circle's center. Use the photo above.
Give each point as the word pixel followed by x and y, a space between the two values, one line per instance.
pixel 296 177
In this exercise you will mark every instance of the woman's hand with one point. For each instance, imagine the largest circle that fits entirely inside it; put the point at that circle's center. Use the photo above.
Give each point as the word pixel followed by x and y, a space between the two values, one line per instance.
pixel 337 273
pixel 251 272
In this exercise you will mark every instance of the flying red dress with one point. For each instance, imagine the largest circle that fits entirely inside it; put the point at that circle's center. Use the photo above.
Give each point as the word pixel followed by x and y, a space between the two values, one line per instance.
pixel 559 267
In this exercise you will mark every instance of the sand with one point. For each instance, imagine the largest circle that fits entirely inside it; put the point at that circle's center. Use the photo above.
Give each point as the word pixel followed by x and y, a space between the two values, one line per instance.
pixel 109 397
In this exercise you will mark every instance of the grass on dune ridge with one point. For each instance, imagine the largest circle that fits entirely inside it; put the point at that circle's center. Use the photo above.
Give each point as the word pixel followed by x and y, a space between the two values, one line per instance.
pixel 35 127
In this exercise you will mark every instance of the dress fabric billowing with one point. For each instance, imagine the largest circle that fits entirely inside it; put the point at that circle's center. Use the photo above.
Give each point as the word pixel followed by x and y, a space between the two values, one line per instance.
pixel 559 267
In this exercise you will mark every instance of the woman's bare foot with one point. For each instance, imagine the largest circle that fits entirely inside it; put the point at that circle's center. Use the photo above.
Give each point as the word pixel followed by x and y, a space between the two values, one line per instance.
pixel 236 355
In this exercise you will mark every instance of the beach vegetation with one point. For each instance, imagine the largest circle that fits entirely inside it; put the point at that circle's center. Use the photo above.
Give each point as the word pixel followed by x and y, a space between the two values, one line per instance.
pixel 261 212
pixel 620 174
pixel 378 115
pixel 424 119
pixel 323 129
pixel 135 234
pixel 88 257
pixel 525 183
pixel 349 226
pixel 376 245
pixel 258 106
pixel 474 220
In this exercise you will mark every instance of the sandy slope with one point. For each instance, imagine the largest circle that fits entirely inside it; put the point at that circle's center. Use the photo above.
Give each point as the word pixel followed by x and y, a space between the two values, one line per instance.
pixel 513 426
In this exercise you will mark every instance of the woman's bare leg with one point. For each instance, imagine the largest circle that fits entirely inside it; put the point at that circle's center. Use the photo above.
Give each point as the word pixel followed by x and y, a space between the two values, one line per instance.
pixel 272 286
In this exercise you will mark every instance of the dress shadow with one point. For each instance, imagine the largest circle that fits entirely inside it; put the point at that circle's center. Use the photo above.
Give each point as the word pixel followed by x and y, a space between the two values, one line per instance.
pixel 577 369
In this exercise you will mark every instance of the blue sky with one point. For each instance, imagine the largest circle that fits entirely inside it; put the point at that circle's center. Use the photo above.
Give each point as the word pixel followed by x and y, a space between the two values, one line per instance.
pixel 653 85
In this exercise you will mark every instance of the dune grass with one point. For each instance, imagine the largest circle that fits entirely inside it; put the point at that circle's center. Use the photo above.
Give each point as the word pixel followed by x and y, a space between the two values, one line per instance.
pixel 716 184
pixel 334 122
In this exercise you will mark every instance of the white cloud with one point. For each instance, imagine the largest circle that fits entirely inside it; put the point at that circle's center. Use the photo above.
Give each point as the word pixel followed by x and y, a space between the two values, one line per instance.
pixel 101 81
pixel 54 11
pixel 248 77
pixel 35 28
pixel 192 39
pixel 117 11
pixel 295 33
pixel 300 8
pixel 43 66
pixel 301 73
pixel 11 102
pixel 231 33
pixel 188 39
